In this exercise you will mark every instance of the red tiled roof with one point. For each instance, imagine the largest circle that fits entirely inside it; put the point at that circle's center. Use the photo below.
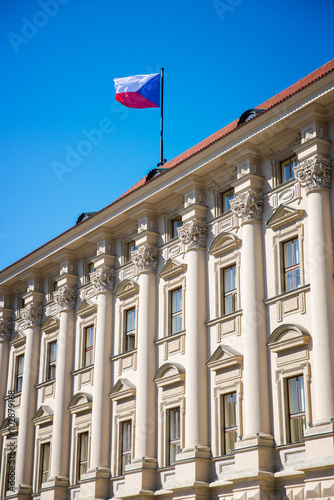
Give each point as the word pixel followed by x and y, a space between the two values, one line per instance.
pixel 270 103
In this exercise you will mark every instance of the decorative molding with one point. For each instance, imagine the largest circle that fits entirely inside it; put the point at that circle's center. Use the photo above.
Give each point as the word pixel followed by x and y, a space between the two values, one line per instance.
pixel 248 205
pixel 50 323
pixel 287 337
pixel 314 173
pixel 103 279
pixel 172 268
pixel 32 315
pixel 223 358
pixel 193 233
pixel 87 307
pixel 123 389
pixel 80 402
pixel 126 288
pixel 283 216
pixel 65 298
pixel 6 328
pixel 223 243
pixel 44 415
pixel 146 258
pixel 169 373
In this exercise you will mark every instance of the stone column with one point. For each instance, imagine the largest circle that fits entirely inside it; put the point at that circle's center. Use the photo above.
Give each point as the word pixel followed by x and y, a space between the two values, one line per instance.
pixel 314 174
pixel 6 328
pixel 103 279
pixel 65 298
pixel 248 205
pixel 32 315
pixel 146 258
pixel 193 234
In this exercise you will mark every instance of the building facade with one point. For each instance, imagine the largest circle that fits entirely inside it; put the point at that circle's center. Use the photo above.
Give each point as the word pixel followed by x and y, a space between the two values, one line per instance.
pixel 179 343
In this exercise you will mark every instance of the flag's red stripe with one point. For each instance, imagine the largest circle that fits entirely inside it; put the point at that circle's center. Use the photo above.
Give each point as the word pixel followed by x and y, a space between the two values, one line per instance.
pixel 134 100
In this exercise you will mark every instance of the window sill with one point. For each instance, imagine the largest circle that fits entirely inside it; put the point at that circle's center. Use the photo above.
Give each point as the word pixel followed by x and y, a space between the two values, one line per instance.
pixel 123 355
pixel 171 336
pixel 45 383
pixel 84 369
pixel 225 317
pixel 287 295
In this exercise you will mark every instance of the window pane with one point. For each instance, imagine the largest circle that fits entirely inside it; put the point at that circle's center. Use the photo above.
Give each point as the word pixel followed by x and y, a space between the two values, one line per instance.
pixel 288 254
pixel 174 434
pixel 296 251
pixel 83 453
pixel 126 444
pixel 230 440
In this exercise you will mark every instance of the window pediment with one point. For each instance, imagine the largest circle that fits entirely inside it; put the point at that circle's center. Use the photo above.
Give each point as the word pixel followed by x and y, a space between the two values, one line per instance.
pixel 80 402
pixel 86 307
pixel 9 426
pixel 171 268
pixel 126 288
pixel 288 337
pixel 169 373
pixel 43 415
pixel 18 338
pixel 224 242
pixel 122 389
pixel 50 323
pixel 224 357
pixel 283 216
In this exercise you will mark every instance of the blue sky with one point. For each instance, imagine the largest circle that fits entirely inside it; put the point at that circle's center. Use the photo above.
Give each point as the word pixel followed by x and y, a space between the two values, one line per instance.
pixel 59 58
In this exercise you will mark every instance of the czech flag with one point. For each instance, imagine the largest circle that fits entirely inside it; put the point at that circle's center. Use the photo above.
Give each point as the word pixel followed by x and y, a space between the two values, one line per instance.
pixel 138 91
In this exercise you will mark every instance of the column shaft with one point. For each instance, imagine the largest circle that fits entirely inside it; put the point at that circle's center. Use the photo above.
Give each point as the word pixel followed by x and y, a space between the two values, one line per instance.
pixel 62 417
pixel 321 270
pixel 145 400
pixel 102 377
pixel 196 418
pixel 25 445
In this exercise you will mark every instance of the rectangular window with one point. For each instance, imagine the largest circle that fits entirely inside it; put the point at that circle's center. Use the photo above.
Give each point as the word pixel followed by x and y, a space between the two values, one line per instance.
pixel 130 329
pixel 229 285
pixel 19 373
pixel 176 311
pixel 126 444
pixel 51 360
pixel 129 247
pixel 230 429
pixel 90 269
pixel 226 197
pixel 291 265
pixel 82 454
pixel 174 434
pixel 54 286
pixel 45 463
pixel 296 405
pixel 286 170
pixel 88 346
pixel 175 223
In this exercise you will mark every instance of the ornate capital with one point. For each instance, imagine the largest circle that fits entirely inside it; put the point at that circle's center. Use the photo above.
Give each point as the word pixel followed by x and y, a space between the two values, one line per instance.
pixel 32 314
pixel 146 258
pixel 66 297
pixel 103 279
pixel 6 328
pixel 248 205
pixel 314 173
pixel 193 233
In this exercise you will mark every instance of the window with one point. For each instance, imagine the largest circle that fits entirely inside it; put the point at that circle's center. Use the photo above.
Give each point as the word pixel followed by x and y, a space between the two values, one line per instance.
pixel 45 463
pixel 126 444
pixel 173 434
pixel 129 247
pixel 51 360
pixel 54 286
pixel 175 223
pixel 229 420
pixel 90 268
pixel 226 197
pixel 130 329
pixel 19 373
pixel 291 265
pixel 82 454
pixel 176 311
pixel 88 346
pixel 229 287
pixel 286 169
pixel 296 404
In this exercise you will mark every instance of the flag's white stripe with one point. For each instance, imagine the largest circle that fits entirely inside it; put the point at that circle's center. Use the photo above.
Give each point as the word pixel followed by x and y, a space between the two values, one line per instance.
pixel 132 83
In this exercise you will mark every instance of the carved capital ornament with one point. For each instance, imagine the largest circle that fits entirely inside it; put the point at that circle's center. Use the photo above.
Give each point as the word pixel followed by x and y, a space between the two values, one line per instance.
pixel 66 297
pixel 32 314
pixel 248 205
pixel 103 279
pixel 193 233
pixel 146 258
pixel 6 328
pixel 314 173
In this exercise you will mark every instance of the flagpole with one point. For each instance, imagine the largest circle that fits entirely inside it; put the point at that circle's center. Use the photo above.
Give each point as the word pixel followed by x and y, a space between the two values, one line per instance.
pixel 162 120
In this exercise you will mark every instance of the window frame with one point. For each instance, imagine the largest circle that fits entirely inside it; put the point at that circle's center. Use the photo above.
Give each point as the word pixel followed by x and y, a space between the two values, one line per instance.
pixel 78 453
pixel 280 168
pixel 295 415
pixel 129 333
pixel 125 453
pixel 293 268
pixel 233 292
pixel 230 190
pixel 127 250
pixel 19 376
pixel 88 349
pixel 41 462
pixel 50 364
pixel 173 229
pixel 176 314
pixel 170 441
pixel 226 430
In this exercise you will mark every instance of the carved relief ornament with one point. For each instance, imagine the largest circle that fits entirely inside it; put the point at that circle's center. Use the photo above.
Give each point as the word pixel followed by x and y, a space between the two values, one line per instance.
pixel 248 206
pixel 66 297
pixel 32 315
pixel 6 328
pixel 193 233
pixel 103 279
pixel 146 258
pixel 314 173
